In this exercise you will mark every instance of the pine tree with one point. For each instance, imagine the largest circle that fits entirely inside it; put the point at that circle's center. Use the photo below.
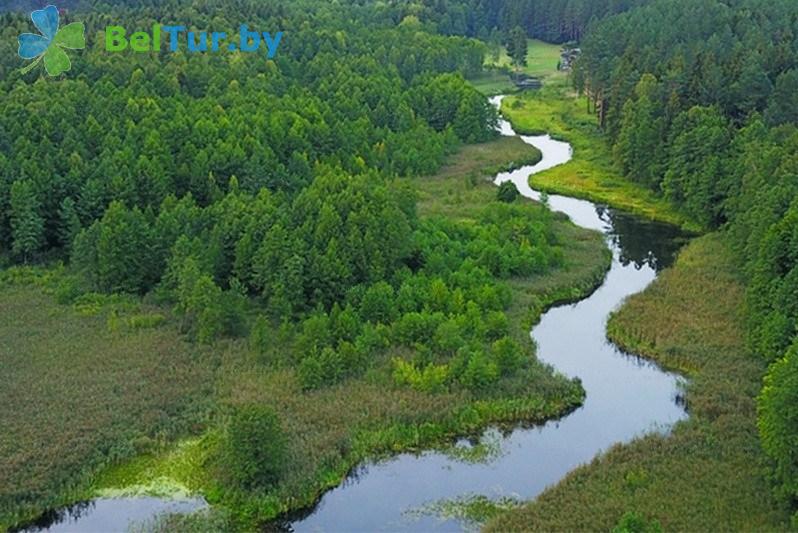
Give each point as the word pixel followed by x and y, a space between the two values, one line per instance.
pixel 70 224
pixel 27 225
pixel 517 47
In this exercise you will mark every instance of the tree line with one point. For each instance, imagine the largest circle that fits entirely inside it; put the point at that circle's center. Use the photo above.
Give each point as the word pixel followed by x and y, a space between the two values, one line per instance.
pixel 700 101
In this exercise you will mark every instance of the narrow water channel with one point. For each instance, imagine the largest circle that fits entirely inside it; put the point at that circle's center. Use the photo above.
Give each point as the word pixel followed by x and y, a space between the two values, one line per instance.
pixel 626 397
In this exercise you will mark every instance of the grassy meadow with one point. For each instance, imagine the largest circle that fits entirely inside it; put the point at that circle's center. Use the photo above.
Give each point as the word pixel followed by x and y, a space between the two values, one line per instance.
pixel 708 475
pixel 146 418
pixel 591 174
pixel 542 59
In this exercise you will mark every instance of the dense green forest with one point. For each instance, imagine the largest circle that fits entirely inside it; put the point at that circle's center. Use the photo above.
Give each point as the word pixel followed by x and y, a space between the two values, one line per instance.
pixel 273 201
pixel 699 101
pixel 265 205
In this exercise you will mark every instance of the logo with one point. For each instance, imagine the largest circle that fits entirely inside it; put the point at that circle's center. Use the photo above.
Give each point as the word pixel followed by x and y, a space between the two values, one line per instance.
pixel 117 40
pixel 50 44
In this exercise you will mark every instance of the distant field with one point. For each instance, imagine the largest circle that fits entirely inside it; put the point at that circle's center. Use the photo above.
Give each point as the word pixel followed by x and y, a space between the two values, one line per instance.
pixel 542 59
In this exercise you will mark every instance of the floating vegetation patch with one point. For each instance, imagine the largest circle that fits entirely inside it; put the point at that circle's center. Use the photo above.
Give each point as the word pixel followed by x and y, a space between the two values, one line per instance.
pixel 471 510
pixel 487 449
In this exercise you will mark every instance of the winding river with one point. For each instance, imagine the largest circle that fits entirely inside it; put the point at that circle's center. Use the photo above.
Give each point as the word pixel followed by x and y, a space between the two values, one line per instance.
pixel 626 397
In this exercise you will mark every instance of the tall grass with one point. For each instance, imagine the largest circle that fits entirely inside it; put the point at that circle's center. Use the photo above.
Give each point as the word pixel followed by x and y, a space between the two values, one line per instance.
pixel 77 395
pixel 707 475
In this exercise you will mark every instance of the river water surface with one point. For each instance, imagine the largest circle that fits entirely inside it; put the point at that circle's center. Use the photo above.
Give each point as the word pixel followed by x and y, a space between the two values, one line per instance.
pixel 626 397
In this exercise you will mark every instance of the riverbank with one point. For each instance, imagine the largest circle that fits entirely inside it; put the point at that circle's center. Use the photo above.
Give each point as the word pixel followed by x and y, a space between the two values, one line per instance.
pixel 331 430
pixel 707 475
pixel 591 174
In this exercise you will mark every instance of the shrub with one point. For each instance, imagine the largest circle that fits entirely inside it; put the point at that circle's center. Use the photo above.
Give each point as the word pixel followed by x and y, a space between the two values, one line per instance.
pixel 778 420
pixel 635 523
pixel 145 321
pixel 508 355
pixel 508 192
pixel 311 373
pixel 256 448
pixel 378 304
pixel 480 373
pixel 432 378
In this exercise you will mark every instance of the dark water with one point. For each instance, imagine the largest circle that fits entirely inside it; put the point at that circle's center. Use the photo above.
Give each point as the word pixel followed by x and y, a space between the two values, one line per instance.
pixel 626 397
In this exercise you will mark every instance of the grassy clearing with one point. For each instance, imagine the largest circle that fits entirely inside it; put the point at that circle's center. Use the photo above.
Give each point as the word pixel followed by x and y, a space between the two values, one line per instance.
pixel 493 82
pixel 134 382
pixel 591 174
pixel 464 185
pixel 542 59
pixel 707 475
pixel 77 394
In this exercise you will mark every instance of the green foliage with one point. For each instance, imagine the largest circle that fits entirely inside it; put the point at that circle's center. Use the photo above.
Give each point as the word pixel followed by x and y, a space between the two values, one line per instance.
pixel 378 304
pixel 27 225
pixel 219 184
pixel 778 420
pixel 783 105
pixel 725 109
pixel 448 101
pixel 256 448
pixel 517 46
pixel 632 522
pixel 199 302
pixel 697 164
pixel 123 250
pixel 508 192
pixel 508 355
pixel 640 141
pixel 431 378
pixel 480 373
pixel 70 223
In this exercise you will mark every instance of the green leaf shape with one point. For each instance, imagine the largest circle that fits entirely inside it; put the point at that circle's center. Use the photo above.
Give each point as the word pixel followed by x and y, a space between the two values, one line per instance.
pixel 56 61
pixel 71 36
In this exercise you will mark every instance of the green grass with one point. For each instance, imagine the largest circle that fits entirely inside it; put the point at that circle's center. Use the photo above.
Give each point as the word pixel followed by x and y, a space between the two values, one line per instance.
pixel 708 474
pixel 591 174
pixel 492 82
pixel 100 375
pixel 541 58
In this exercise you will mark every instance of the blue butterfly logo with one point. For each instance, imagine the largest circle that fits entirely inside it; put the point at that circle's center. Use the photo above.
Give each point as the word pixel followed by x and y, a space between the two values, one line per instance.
pixel 50 44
